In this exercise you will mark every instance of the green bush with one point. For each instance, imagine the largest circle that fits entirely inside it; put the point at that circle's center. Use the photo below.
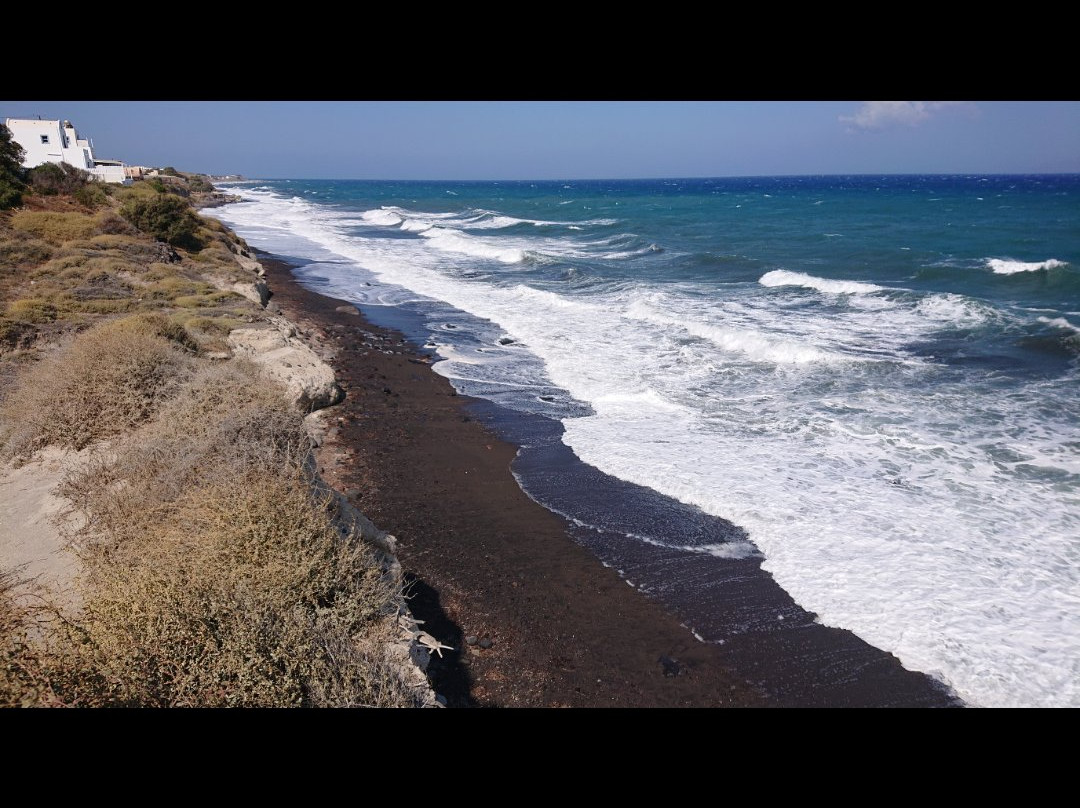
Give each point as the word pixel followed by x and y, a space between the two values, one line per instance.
pixel 92 195
pixel 11 170
pixel 50 179
pixel 199 184
pixel 166 218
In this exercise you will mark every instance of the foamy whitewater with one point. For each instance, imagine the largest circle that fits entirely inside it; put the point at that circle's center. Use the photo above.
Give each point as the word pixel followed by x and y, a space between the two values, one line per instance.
pixel 875 377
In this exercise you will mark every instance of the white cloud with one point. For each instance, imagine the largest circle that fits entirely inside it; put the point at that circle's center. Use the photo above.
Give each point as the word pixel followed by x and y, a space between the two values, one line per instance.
pixel 883 114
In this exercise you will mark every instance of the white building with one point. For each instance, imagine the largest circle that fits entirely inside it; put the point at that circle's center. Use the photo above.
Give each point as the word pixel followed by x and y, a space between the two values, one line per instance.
pixel 58 142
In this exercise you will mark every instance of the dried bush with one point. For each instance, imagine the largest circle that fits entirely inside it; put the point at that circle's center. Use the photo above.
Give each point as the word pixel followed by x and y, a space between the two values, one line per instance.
pixel 109 379
pixel 215 572
pixel 243 594
pixel 22 250
pixel 27 670
pixel 54 227
pixel 224 420
pixel 110 224
pixel 32 310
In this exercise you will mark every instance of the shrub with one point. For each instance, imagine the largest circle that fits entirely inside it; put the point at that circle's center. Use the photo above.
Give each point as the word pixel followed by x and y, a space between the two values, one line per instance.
pixel 112 225
pixel 212 326
pixel 166 218
pixel 243 594
pixel 22 250
pixel 11 170
pixel 216 573
pixel 92 195
pixel 204 300
pixel 32 310
pixel 106 381
pixel 14 335
pixel 200 184
pixel 53 226
pixel 172 286
pixel 50 179
pixel 23 681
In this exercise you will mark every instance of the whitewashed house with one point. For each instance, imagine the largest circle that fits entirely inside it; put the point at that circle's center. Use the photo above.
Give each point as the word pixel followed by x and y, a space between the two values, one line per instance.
pixel 59 142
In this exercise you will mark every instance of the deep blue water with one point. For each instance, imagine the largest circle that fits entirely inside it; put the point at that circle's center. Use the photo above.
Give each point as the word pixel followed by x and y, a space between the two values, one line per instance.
pixel 874 377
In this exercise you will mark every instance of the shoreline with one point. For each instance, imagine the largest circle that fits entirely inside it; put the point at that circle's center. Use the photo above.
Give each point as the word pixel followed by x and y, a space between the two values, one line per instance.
pixel 491 565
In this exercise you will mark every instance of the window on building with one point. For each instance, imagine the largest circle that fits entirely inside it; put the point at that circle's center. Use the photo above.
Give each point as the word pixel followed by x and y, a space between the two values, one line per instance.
pixel 44 138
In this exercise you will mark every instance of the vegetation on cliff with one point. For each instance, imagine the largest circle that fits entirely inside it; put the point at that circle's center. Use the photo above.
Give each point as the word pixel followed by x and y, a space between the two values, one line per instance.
pixel 213 569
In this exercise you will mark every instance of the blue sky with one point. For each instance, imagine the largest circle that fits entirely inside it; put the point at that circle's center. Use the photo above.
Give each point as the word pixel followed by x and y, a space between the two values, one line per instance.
pixel 576 139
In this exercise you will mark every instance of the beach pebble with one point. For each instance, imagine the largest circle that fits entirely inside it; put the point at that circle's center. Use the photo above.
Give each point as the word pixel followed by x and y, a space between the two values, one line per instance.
pixel 486 642
pixel 347 309
pixel 471 639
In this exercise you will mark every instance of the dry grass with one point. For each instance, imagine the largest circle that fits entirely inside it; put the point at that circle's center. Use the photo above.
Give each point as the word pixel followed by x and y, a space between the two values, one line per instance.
pixel 20 250
pixel 55 227
pixel 32 310
pixel 108 380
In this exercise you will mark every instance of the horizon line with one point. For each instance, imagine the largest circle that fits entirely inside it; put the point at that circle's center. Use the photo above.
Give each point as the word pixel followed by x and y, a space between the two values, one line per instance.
pixel 673 178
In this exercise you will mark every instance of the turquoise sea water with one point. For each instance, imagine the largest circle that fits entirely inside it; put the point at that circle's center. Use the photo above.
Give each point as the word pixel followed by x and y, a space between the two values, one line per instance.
pixel 875 377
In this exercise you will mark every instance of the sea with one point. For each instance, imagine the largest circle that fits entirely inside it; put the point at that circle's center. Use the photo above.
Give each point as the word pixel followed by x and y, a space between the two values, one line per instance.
pixel 872 381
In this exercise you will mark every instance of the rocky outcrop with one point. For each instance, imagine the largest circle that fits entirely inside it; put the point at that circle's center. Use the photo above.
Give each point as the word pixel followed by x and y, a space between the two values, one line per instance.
pixel 215 199
pixel 256 291
pixel 310 381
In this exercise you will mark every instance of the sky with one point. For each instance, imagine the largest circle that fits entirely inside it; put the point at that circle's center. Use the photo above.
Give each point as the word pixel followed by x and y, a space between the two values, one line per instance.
pixel 503 140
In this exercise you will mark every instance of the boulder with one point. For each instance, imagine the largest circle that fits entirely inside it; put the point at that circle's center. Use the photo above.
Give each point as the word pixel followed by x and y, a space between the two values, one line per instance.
pixel 309 381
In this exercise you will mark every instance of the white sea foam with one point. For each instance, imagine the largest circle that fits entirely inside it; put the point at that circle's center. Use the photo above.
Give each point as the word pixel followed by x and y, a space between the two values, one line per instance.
pixel 619 255
pixel 457 242
pixel 382 217
pixel 1060 322
pixel 1003 266
pixel 783 277
pixel 752 344
pixel 955 309
pixel 732 550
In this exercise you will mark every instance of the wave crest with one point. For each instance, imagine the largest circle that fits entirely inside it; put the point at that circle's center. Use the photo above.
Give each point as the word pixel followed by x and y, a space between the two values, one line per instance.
pixel 1002 266
pixel 784 277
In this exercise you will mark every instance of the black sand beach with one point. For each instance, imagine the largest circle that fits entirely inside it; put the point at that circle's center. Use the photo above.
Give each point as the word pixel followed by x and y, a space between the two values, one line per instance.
pixel 534 618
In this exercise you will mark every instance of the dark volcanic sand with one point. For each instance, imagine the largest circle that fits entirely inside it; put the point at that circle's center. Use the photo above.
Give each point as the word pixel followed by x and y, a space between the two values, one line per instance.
pixel 487 562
